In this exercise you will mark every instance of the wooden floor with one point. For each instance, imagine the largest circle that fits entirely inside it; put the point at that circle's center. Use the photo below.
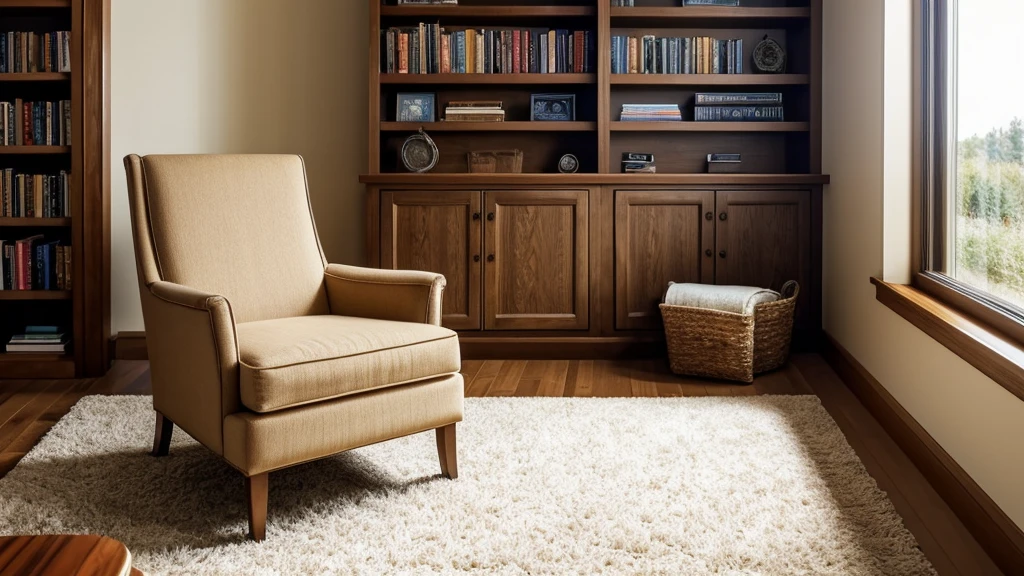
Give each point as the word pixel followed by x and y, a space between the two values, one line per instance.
pixel 29 408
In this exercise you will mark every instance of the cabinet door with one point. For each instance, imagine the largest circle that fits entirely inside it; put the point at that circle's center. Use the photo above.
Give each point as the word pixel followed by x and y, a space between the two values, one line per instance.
pixel 661 236
pixel 437 232
pixel 537 260
pixel 764 239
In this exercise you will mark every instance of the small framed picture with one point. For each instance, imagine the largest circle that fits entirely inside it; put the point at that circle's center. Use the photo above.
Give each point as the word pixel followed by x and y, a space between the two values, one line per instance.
pixel 415 107
pixel 553 107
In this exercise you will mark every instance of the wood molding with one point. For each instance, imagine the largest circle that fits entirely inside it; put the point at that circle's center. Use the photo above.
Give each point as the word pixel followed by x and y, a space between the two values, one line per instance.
pixel 997 356
pixel 997 534
pixel 129 346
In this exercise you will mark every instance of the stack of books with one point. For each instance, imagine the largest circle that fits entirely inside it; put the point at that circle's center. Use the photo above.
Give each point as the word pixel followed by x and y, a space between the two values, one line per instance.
pixel 34 195
pixel 651 113
pixel 431 49
pixel 699 55
pixel 739 107
pixel 39 339
pixel 34 264
pixel 30 52
pixel 35 123
pixel 724 163
pixel 474 111
pixel 638 163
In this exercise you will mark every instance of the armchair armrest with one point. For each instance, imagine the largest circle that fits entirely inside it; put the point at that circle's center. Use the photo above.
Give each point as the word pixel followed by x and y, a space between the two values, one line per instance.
pixel 401 295
pixel 193 351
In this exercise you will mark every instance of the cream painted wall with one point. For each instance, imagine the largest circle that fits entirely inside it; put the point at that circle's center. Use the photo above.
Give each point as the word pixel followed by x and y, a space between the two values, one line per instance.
pixel 241 76
pixel 865 150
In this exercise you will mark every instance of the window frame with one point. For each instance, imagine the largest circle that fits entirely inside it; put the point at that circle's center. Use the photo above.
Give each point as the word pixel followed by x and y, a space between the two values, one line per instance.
pixel 934 150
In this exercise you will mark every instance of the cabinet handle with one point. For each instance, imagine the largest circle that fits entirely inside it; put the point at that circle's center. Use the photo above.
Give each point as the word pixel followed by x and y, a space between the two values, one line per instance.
pixel 476 257
pixel 476 215
pixel 709 216
pixel 490 257
pixel 722 254
pixel 490 216
pixel 709 253
pixel 723 216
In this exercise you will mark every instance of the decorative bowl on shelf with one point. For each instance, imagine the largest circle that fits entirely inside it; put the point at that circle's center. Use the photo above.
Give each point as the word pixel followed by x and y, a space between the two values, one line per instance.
pixel 419 153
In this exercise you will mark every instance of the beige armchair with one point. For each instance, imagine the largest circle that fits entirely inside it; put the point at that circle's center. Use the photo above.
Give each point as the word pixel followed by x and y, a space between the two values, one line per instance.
pixel 258 348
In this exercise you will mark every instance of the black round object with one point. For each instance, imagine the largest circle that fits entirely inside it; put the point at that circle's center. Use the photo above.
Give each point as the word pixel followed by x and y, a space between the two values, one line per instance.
pixel 569 164
pixel 769 57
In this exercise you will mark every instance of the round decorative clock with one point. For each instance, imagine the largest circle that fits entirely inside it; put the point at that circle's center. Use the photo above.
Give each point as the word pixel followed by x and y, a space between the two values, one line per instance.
pixel 419 153
pixel 769 57
pixel 569 164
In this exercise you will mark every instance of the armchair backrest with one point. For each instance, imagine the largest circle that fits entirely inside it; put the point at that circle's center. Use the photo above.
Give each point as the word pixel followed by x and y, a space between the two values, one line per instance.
pixel 239 226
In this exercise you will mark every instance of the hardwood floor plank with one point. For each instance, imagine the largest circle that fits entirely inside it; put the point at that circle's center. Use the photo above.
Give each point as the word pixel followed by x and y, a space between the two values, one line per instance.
pixel 643 380
pixel 31 411
pixel 470 368
pixel 584 383
pixel 484 378
pixel 571 378
pixel 611 379
pixel 553 381
pixel 507 380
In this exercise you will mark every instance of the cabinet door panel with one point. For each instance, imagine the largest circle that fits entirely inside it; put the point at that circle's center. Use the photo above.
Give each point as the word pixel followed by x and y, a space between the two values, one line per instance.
pixel 765 240
pixel 661 236
pixel 437 232
pixel 537 260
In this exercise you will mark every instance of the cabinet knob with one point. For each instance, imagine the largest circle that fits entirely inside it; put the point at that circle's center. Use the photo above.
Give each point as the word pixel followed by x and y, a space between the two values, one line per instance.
pixel 476 215
pixel 709 216
pixel 723 216
pixel 490 257
pixel 708 252
pixel 490 216
pixel 476 257
pixel 722 254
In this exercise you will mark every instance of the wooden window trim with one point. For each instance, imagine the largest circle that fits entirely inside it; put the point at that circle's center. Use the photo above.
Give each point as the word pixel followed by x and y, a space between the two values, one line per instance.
pixel 993 352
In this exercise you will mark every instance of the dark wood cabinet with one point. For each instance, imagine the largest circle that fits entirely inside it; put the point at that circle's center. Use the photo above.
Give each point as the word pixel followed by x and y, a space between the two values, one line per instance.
pixel 437 231
pixel 764 239
pixel 536 260
pixel 660 236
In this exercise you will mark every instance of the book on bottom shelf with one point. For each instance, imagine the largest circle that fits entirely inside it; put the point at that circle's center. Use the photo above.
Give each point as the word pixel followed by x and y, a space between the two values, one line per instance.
pixel 39 340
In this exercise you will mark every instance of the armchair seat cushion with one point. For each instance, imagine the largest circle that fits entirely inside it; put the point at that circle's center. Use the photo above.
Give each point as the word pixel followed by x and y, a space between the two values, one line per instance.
pixel 293 361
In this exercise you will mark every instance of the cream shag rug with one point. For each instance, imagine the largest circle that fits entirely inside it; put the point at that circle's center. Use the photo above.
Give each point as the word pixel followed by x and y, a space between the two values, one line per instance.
pixel 764 485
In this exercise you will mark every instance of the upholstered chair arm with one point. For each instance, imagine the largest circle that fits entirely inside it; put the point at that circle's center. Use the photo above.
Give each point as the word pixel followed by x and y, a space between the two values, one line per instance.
pixel 194 357
pixel 402 295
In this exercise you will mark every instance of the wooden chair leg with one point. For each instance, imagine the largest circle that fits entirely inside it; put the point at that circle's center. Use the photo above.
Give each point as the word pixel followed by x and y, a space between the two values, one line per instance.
pixel 446 451
pixel 256 488
pixel 162 437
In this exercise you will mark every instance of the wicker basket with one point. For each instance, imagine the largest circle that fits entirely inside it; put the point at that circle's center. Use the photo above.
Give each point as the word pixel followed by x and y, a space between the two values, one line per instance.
pixel 729 346
pixel 496 161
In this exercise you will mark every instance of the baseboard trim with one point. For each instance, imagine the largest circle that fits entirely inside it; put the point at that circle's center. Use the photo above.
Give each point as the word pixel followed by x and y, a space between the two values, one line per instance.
pixel 129 346
pixel 132 346
pixel 998 535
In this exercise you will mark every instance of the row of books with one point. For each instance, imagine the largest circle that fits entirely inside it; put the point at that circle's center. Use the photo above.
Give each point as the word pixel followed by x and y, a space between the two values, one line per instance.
pixel 35 263
pixel 629 3
pixel 474 111
pixel 699 55
pixel 39 339
pixel 738 107
pixel 35 123
pixel 34 195
pixel 34 52
pixel 430 49
pixel 651 113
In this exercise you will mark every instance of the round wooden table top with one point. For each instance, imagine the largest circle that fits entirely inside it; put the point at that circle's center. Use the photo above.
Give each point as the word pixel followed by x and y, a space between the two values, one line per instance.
pixel 64 555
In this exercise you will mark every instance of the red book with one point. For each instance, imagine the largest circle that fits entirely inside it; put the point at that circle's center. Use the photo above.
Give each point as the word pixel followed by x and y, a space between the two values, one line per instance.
pixel 446 54
pixel 516 52
pixel 577 66
pixel 403 53
pixel 525 64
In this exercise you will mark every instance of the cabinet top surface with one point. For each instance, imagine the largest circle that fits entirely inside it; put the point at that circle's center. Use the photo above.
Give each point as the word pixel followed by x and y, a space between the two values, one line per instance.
pixel 407 179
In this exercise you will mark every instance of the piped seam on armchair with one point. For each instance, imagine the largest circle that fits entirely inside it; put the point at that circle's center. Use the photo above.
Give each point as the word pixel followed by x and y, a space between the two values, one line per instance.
pixel 354 355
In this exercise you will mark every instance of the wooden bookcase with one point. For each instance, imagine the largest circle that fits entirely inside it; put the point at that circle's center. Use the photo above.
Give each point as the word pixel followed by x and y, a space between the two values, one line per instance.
pixel 84 311
pixel 549 264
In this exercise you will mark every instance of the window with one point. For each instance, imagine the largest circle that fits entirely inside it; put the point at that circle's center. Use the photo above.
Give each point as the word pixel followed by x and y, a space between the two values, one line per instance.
pixel 972 179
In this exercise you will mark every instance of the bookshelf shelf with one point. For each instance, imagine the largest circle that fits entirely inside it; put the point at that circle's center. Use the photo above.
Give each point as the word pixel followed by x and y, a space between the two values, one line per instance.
pixel 35 295
pixel 710 126
pixel 489 11
pixel 489 126
pixel 706 16
pixel 433 179
pixel 35 222
pixel 33 365
pixel 520 79
pixel 24 150
pixel 35 77
pixel 710 79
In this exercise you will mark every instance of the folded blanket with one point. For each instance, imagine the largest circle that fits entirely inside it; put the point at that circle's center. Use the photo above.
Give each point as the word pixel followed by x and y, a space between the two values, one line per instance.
pixel 736 299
